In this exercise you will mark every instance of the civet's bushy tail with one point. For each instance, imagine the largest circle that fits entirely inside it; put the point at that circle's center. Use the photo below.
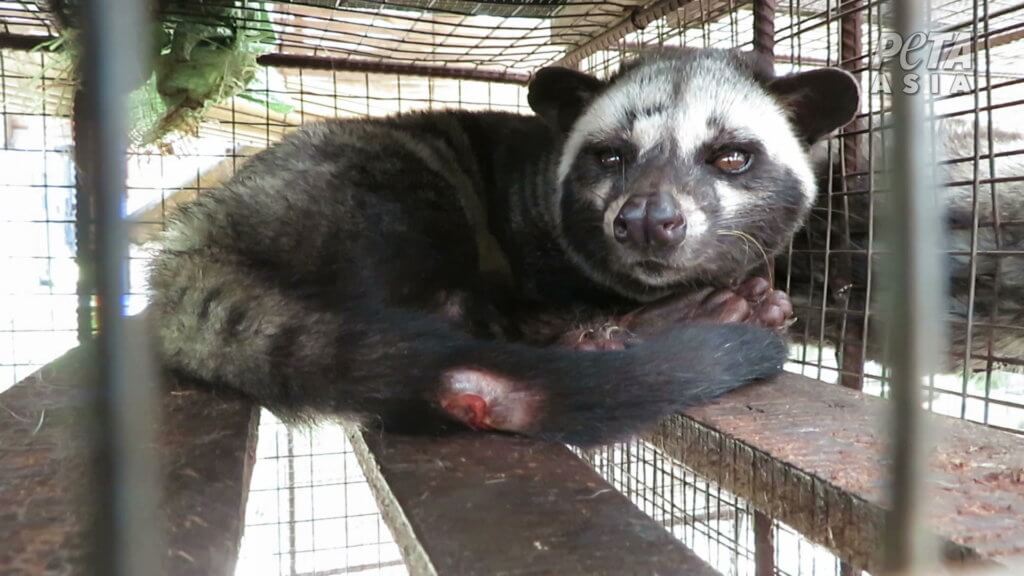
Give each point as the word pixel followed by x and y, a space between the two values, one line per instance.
pixel 218 321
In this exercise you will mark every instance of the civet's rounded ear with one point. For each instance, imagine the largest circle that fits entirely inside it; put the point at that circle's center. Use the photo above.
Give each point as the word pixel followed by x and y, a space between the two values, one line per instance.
pixel 559 95
pixel 818 101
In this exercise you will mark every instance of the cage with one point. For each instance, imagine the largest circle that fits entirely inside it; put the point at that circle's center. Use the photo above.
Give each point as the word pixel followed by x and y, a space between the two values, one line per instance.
pixel 786 481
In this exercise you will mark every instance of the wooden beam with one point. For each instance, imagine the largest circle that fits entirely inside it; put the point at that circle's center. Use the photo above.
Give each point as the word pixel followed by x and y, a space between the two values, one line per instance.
pixel 207 445
pixel 813 455
pixel 481 504
pixel 284 60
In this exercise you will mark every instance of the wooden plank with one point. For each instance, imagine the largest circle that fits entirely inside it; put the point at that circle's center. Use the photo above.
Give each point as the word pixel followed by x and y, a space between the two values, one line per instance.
pixel 207 446
pixel 814 456
pixel 487 504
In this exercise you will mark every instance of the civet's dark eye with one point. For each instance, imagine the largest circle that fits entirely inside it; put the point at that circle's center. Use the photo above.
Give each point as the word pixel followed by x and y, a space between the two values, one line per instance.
pixel 609 158
pixel 732 161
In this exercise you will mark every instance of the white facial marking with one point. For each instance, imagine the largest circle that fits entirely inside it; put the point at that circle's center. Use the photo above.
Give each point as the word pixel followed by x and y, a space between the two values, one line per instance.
pixel 611 212
pixel 680 105
pixel 742 108
pixel 649 88
pixel 599 195
pixel 696 219
pixel 709 91
pixel 648 131
pixel 730 200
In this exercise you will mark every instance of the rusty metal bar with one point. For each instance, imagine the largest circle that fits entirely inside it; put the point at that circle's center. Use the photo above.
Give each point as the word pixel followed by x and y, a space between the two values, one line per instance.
pixel 352 65
pixel 764 26
pixel 126 537
pixel 637 19
pixel 914 286
pixel 764 545
pixel 284 60
pixel 480 504
pixel 852 333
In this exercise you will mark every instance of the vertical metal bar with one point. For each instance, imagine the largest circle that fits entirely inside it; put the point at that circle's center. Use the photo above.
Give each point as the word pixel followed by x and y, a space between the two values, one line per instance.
pixel 85 245
pixel 125 535
pixel 764 545
pixel 915 288
pixel 851 373
pixel 972 277
pixel 764 26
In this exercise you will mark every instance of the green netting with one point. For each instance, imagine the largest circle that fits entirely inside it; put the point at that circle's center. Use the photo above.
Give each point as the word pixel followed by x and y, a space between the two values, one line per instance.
pixel 200 58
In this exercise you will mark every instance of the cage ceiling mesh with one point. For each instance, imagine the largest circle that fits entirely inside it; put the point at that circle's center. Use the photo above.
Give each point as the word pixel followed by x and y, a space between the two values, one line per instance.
pixel 512 37
pixel 496 36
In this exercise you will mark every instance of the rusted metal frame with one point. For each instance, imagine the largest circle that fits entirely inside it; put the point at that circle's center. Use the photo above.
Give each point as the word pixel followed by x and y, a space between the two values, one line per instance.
pixel 851 350
pixel 827 273
pixel 281 60
pixel 637 19
pixel 85 234
pixel 800 25
pixel 125 538
pixel 764 26
pixel 480 504
pixel 350 65
pixel 814 457
pixel 764 544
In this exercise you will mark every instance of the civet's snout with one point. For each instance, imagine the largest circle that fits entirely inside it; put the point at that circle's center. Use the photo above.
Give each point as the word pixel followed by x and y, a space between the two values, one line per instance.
pixel 650 221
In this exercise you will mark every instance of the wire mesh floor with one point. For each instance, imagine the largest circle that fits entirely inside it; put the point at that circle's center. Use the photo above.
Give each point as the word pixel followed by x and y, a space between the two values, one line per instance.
pixel 310 509
pixel 717 525
pixel 311 512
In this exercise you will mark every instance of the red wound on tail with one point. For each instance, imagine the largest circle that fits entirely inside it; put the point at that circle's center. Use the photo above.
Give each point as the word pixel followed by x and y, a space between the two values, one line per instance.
pixel 485 400
pixel 470 409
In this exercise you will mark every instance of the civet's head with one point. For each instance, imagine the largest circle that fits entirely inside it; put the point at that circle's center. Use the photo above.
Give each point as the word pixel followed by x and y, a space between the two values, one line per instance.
pixel 688 166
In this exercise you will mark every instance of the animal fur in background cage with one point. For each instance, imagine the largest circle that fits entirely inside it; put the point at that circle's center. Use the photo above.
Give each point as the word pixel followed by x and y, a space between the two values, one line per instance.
pixel 833 271
pixel 987 252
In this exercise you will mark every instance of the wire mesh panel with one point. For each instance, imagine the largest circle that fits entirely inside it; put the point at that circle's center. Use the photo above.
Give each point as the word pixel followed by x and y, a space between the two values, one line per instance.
pixel 38 284
pixel 975 93
pixel 505 37
pixel 717 525
pixel 310 509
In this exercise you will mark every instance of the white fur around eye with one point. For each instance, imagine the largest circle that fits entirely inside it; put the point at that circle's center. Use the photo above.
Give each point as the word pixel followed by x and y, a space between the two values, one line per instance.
pixel 609 114
pixel 743 107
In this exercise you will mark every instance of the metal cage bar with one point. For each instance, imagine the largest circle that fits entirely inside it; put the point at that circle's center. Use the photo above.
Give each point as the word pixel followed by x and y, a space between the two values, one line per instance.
pixel 126 531
pixel 916 281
